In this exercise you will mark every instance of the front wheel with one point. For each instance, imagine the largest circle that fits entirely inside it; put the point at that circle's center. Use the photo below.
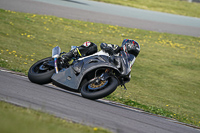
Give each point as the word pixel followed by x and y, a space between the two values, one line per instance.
pixel 93 90
pixel 40 73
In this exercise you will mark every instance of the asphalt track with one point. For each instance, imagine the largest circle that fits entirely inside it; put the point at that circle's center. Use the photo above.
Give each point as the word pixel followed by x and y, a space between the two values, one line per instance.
pixel 109 14
pixel 20 91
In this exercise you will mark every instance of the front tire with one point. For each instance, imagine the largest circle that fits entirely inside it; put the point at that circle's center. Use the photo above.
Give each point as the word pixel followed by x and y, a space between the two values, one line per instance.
pixel 38 76
pixel 105 89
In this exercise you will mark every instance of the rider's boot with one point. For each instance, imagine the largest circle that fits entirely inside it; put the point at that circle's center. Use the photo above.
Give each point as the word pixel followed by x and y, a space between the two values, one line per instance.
pixel 68 56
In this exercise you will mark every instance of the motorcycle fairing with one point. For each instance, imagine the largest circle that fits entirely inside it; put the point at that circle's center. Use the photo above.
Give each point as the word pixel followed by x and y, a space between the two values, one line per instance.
pixel 72 76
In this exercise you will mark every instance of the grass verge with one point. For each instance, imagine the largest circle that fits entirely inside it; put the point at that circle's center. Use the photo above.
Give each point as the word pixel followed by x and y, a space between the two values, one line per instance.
pixel 165 75
pixel 17 119
pixel 180 7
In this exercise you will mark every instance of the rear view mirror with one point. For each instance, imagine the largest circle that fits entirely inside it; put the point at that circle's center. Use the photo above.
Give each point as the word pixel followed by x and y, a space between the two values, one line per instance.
pixel 56 52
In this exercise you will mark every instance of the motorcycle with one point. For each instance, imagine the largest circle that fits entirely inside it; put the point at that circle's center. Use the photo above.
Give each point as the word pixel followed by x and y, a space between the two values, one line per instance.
pixel 94 76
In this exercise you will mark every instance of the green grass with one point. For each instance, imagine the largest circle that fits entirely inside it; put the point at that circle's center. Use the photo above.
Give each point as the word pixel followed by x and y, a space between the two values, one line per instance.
pixel 22 120
pixel 180 7
pixel 165 75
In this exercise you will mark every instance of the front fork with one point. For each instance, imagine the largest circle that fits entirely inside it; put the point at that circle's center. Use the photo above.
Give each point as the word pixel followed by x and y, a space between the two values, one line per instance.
pixel 56 65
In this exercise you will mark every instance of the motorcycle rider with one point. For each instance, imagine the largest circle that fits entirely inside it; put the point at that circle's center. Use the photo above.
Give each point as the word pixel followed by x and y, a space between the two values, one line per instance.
pixel 129 46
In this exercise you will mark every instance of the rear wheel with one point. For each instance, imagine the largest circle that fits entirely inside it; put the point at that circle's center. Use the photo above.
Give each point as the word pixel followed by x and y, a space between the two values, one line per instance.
pixel 40 73
pixel 97 88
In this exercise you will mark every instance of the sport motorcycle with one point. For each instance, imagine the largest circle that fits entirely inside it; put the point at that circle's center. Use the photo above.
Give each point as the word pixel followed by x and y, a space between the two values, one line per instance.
pixel 94 76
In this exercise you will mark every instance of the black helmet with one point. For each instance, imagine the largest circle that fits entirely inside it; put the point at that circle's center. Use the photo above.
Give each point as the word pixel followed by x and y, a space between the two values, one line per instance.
pixel 131 46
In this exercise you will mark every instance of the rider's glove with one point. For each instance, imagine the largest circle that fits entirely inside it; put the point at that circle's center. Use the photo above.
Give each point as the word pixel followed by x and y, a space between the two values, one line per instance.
pixel 107 48
pixel 117 49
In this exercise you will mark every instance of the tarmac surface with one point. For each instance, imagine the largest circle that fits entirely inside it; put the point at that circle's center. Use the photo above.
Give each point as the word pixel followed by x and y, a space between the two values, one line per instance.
pixel 71 106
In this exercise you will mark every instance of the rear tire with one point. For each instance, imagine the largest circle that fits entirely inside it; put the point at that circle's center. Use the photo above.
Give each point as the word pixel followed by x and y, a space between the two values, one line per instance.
pixel 40 77
pixel 107 88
